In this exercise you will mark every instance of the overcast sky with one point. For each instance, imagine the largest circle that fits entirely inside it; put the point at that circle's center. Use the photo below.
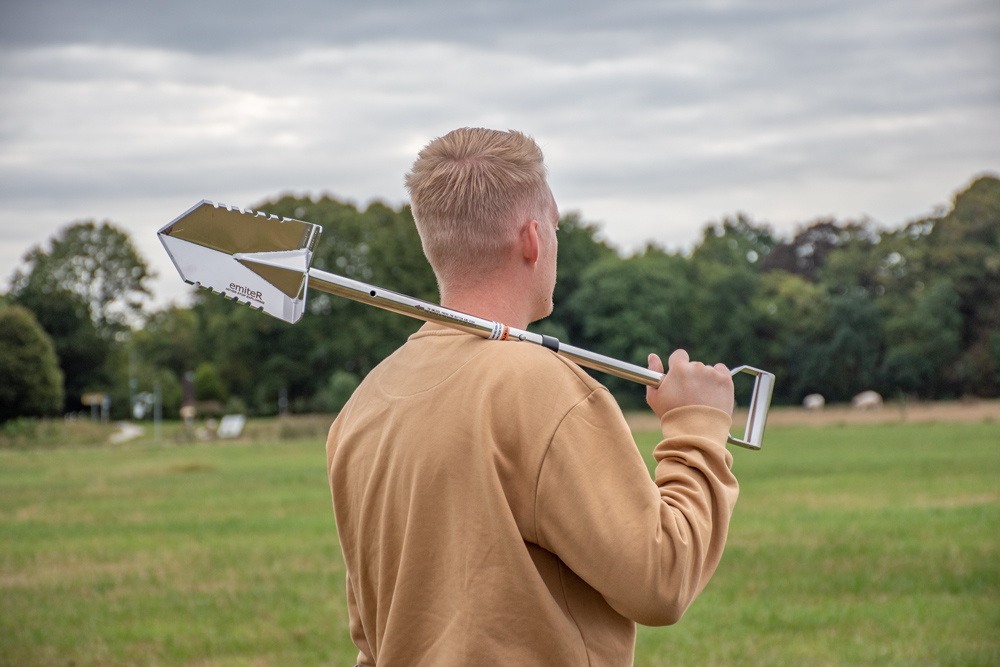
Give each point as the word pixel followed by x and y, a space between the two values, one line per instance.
pixel 655 117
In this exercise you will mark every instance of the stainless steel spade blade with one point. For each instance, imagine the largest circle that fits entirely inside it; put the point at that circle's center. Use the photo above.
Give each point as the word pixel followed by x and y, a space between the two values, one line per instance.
pixel 264 261
pixel 214 246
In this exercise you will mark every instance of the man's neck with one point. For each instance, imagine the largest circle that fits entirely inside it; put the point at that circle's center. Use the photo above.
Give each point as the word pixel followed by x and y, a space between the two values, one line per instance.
pixel 496 304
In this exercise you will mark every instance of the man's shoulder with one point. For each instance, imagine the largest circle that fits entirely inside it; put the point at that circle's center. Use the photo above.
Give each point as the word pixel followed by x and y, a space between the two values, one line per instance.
pixel 529 362
pixel 504 361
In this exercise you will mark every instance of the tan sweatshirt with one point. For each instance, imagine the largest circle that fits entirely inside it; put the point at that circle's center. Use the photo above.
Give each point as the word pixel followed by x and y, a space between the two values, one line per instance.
pixel 493 509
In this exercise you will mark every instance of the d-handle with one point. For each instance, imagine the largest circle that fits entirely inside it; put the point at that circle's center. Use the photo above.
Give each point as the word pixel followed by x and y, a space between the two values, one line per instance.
pixel 760 403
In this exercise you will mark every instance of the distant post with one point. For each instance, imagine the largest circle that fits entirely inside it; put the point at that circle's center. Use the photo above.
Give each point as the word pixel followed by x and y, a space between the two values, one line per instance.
pixel 133 383
pixel 188 409
pixel 157 411
pixel 96 401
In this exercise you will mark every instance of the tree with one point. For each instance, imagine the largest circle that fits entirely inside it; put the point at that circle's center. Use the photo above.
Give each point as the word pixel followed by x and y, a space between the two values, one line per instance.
pixel 725 276
pixel 723 321
pixel 30 380
pixel 337 392
pixel 994 347
pixel 579 248
pixel 790 313
pixel 845 355
pixel 81 350
pixel 631 307
pixel 963 246
pixel 170 340
pixel 736 242
pixel 925 343
pixel 97 263
pixel 811 247
pixel 207 383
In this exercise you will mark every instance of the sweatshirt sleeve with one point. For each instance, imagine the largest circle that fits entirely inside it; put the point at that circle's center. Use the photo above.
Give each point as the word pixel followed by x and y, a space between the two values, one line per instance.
pixel 357 631
pixel 649 547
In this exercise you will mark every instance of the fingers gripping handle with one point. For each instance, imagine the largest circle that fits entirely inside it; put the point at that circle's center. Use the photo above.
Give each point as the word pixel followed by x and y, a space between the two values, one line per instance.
pixel 760 401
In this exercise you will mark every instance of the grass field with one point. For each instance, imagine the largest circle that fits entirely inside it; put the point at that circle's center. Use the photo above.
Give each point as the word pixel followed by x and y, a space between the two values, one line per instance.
pixel 851 545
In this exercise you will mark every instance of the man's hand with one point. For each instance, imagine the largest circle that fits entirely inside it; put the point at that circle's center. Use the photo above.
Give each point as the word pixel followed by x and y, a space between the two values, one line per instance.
pixel 689 383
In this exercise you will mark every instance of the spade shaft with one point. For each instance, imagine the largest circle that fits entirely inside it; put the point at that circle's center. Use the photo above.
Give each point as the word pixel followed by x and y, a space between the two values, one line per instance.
pixel 429 312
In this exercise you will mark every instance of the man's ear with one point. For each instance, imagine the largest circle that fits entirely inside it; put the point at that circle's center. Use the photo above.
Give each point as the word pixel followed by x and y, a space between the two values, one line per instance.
pixel 529 241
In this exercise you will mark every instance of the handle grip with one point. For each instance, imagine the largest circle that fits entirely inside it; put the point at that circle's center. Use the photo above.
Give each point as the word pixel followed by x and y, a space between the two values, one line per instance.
pixel 760 403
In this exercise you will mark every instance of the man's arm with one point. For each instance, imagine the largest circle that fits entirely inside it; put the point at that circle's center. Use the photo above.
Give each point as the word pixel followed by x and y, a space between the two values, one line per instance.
pixel 357 631
pixel 648 547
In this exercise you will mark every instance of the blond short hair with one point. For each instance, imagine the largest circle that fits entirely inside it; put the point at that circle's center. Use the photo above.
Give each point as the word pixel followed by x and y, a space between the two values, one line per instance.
pixel 469 191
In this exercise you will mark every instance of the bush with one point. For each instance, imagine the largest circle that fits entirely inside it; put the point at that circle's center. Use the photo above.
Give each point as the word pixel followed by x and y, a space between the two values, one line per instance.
pixel 337 391
pixel 208 384
pixel 31 384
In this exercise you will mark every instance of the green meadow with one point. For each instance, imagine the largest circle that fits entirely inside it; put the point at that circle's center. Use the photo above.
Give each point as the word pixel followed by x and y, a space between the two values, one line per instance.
pixel 851 545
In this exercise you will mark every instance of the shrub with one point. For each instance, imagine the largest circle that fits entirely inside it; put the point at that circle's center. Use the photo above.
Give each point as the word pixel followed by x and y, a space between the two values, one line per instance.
pixel 31 384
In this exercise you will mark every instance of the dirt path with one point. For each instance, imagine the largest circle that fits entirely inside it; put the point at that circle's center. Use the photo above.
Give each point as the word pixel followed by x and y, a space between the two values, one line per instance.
pixel 940 411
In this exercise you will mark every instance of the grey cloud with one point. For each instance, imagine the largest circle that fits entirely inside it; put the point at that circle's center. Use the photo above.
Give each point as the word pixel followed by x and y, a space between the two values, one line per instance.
pixel 647 111
pixel 257 25
pixel 238 25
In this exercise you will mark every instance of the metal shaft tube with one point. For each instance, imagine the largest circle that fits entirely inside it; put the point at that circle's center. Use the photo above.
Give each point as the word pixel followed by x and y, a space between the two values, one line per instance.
pixel 429 312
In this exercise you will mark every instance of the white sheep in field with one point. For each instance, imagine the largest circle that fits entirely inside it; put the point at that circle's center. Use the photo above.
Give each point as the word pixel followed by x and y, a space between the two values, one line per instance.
pixel 813 402
pixel 867 400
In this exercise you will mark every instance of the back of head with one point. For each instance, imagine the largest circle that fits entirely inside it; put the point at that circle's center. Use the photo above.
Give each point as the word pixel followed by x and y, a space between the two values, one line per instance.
pixel 470 190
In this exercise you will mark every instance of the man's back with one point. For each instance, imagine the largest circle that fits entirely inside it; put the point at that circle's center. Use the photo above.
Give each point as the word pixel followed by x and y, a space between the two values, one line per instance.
pixel 462 467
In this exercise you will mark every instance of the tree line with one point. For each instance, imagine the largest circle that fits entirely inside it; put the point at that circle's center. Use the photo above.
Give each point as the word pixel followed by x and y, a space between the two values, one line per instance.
pixel 836 308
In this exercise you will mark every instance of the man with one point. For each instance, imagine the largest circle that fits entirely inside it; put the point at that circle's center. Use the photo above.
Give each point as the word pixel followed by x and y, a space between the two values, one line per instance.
pixel 491 504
